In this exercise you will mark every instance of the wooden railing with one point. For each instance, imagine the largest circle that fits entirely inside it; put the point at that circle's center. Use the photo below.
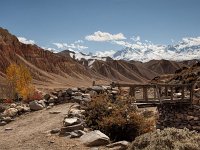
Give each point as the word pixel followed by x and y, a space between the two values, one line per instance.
pixel 162 93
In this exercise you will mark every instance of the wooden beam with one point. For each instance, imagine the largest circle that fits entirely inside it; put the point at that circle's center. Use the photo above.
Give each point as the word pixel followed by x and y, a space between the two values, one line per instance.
pixel 182 93
pixel 145 94
pixel 132 91
pixel 172 96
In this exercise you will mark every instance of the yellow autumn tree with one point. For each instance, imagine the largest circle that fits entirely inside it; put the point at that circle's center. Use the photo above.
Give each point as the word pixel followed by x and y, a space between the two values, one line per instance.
pixel 20 80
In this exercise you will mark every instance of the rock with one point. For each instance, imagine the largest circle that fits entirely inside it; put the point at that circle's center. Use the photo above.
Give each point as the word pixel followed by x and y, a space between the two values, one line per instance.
pixel 71 121
pixel 77 94
pixel 54 112
pixel 34 105
pixel 190 117
pixel 2 123
pixel 77 133
pixel 76 113
pixel 42 102
pixel 27 109
pixel 95 138
pixel 80 132
pixel 13 105
pixel 51 104
pixel 51 100
pixel 8 129
pixel 93 93
pixel 47 97
pixel 75 89
pixel 86 99
pixel 74 135
pixel 10 112
pixel 77 99
pixel 7 119
pixel 20 108
pixel 54 131
pixel 72 128
pixel 121 145
pixel 2 108
pixel 82 89
pixel 98 89
pixel 86 96
pixel 69 91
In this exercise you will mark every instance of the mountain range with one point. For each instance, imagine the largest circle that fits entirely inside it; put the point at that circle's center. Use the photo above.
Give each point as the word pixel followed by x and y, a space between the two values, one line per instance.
pixel 68 68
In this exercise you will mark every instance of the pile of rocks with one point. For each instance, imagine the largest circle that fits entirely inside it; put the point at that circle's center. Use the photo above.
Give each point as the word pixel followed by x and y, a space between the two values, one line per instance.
pixel 70 95
pixel 12 111
pixel 80 95
pixel 179 116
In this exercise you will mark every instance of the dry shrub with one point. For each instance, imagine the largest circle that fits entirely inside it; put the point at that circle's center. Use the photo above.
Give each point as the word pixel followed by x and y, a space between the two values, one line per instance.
pixel 118 120
pixel 35 95
pixel 168 139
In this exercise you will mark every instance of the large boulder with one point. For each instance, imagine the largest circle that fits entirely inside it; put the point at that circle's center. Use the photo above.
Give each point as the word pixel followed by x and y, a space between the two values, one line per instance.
pixel 35 105
pixel 95 138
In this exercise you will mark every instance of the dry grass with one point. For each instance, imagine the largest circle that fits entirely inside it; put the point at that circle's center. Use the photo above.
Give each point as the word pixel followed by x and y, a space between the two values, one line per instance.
pixel 119 120
pixel 168 139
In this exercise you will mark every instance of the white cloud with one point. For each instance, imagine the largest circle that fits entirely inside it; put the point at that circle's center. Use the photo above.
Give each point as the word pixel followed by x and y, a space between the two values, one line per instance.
pixel 104 36
pixel 109 53
pixel 26 41
pixel 72 46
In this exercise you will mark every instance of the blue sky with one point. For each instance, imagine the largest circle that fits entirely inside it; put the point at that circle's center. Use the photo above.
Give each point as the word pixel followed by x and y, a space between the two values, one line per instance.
pixel 66 21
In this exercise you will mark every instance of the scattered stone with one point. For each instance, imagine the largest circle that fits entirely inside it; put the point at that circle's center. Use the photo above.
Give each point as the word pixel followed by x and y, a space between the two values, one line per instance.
pixel 54 131
pixel 7 119
pixel 51 100
pixel 77 99
pixel 121 145
pixel 13 105
pixel 54 112
pixel 95 138
pixel 74 135
pixel 72 128
pixel 2 123
pixel 8 129
pixel 71 121
pixel 10 112
pixel 51 104
pixel 35 105
pixel 42 102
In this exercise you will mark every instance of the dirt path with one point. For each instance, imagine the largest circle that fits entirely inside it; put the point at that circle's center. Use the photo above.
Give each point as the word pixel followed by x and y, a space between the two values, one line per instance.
pixel 30 132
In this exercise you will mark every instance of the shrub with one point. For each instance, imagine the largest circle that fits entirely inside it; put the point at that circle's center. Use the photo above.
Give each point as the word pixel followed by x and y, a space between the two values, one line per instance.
pixel 118 120
pixel 35 95
pixel 168 139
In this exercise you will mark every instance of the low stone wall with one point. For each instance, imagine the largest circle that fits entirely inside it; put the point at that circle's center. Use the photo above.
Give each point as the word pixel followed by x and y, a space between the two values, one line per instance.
pixel 179 116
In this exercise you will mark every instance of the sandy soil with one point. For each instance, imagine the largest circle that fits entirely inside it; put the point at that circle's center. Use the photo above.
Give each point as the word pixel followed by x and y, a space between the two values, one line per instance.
pixel 30 132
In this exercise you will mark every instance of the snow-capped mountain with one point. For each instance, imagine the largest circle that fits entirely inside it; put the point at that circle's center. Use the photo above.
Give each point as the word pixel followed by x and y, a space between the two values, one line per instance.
pixel 188 48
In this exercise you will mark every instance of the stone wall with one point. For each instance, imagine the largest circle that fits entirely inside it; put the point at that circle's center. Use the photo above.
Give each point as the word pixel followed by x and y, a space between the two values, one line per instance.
pixel 179 116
